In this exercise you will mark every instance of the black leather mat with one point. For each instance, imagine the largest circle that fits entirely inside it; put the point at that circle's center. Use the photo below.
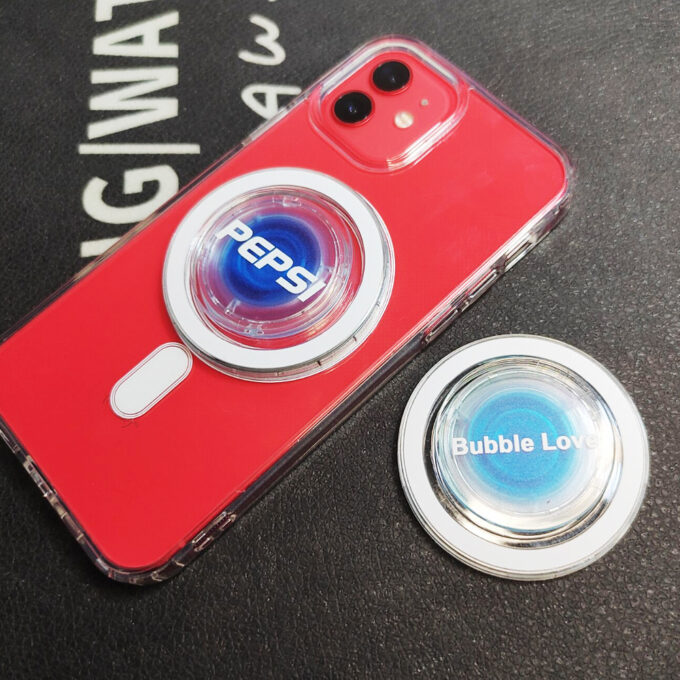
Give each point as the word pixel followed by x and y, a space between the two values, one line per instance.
pixel 330 575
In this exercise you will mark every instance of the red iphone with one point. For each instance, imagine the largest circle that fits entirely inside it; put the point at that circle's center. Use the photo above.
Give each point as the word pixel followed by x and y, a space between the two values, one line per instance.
pixel 169 384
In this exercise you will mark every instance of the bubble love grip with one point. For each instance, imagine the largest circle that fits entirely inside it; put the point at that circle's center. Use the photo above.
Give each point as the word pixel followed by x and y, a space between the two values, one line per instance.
pixel 523 457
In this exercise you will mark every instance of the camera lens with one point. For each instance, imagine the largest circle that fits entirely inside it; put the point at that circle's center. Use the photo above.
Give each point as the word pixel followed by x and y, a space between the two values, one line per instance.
pixel 391 76
pixel 352 107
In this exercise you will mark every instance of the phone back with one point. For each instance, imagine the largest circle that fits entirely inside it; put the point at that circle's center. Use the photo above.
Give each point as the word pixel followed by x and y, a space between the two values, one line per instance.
pixel 464 192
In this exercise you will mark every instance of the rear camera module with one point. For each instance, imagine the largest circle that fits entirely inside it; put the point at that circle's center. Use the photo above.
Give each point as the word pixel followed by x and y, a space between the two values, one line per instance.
pixel 353 107
pixel 391 76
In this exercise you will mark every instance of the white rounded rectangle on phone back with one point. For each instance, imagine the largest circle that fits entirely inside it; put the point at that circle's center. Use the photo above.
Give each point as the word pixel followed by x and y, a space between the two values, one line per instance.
pixel 150 380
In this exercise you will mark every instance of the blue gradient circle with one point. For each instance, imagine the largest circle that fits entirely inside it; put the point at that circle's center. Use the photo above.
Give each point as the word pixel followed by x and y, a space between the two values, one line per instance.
pixel 256 286
pixel 522 446
pixel 277 267
pixel 529 414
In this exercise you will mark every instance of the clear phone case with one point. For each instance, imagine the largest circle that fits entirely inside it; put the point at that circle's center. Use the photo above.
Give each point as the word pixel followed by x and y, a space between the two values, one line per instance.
pixel 301 270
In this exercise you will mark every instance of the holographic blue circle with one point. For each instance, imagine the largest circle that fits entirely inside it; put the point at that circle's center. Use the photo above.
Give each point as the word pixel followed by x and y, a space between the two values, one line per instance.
pixel 522 476
pixel 481 463
pixel 258 287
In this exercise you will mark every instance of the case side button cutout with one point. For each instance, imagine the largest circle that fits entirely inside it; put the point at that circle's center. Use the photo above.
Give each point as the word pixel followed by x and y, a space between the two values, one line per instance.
pixel 445 319
pixel 483 285
pixel 150 380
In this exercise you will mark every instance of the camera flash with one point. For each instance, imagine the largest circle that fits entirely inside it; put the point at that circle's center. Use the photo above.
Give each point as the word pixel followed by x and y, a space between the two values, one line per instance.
pixel 403 119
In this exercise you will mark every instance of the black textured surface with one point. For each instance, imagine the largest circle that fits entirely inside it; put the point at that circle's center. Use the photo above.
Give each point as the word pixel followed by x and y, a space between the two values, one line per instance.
pixel 330 575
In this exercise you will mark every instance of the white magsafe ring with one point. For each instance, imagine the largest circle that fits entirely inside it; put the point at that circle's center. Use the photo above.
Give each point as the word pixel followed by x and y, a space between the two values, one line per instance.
pixel 287 189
